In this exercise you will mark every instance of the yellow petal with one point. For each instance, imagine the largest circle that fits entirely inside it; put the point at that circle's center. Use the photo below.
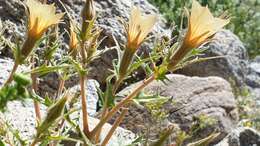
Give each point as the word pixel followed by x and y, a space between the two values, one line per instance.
pixel 41 16
pixel 202 24
pixel 134 22
pixel 146 26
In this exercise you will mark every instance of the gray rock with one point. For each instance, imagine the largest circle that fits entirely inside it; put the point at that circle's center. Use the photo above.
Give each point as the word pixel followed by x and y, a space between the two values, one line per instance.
pixel 241 137
pixel 191 97
pixel 21 117
pixel 253 75
pixel 5 69
pixel 232 68
pixel 92 95
pixel 108 13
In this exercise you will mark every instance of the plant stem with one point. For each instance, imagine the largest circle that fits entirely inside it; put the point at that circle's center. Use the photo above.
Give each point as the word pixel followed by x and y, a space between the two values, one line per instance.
pixel 116 85
pixel 10 78
pixel 36 103
pixel 83 54
pixel 61 86
pixel 84 105
pixel 34 143
pixel 121 104
pixel 105 107
pixel 35 88
pixel 113 128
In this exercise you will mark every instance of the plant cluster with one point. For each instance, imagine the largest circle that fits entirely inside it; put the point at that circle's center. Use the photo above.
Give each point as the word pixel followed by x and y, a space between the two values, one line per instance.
pixel 245 17
pixel 83 49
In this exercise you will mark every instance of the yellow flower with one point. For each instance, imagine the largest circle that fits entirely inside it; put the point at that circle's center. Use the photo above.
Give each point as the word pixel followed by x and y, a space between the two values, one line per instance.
pixel 41 16
pixel 202 25
pixel 138 28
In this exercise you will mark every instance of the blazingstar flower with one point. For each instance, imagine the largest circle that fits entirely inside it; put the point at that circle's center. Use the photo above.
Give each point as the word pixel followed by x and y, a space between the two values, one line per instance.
pixel 41 17
pixel 202 25
pixel 138 28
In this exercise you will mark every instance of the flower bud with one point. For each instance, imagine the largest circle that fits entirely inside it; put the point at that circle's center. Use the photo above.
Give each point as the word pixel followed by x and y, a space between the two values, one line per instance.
pixel 73 44
pixel 88 13
pixel 54 112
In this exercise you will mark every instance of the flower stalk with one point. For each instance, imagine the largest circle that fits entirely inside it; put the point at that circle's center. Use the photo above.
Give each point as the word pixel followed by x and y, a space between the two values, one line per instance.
pixel 113 128
pixel 35 89
pixel 84 105
pixel 122 103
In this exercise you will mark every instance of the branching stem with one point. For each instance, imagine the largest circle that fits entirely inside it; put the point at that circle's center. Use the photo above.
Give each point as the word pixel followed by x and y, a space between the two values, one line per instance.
pixel 122 103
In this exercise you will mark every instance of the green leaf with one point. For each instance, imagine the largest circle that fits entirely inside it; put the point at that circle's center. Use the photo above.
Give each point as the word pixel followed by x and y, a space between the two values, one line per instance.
pixel 205 141
pixel 163 138
pixel 48 54
pixel 144 98
pixel 1 143
pixel 107 96
pixel 22 79
pixel 43 70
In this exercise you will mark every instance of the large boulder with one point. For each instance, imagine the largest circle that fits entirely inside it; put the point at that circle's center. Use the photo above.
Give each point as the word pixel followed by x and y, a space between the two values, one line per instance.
pixel 191 97
pixel 241 137
pixel 13 16
pixel 233 65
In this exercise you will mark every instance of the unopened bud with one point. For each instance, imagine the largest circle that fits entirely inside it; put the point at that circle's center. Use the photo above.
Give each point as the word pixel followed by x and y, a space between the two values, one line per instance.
pixel 54 112
pixel 73 44
pixel 88 14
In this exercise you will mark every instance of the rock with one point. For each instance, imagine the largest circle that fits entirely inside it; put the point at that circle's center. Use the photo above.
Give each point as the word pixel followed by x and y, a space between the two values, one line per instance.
pixel 191 97
pixel 108 12
pixel 92 95
pixel 253 76
pixel 233 67
pixel 22 118
pixel 241 136
pixel 140 121
pixel 5 69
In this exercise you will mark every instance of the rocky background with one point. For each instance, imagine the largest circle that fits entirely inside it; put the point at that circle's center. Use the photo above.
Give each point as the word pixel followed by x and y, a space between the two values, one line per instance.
pixel 213 88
